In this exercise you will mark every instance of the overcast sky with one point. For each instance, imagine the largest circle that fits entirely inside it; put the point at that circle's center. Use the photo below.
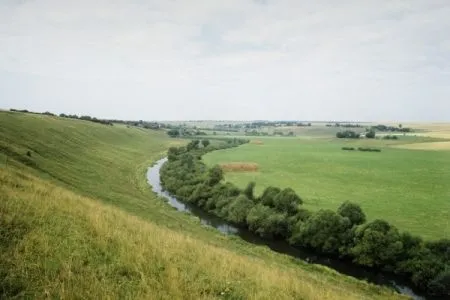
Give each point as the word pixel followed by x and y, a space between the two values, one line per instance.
pixel 232 59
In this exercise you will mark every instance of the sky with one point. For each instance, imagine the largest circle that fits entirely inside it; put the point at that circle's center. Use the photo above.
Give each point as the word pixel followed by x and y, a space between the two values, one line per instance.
pixel 347 60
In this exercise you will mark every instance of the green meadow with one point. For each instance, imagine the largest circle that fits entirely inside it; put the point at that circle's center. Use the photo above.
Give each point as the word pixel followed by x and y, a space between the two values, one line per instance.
pixel 409 188
pixel 79 221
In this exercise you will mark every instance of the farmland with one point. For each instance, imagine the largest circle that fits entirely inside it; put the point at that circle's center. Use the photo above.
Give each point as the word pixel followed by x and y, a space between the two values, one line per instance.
pixel 408 188
pixel 78 220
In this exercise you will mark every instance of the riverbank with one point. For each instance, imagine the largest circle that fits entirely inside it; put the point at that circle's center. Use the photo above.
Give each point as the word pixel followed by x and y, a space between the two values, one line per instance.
pixel 209 219
pixel 278 214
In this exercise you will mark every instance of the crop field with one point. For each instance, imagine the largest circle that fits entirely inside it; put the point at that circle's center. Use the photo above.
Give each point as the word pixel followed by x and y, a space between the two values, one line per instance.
pixel 78 220
pixel 409 188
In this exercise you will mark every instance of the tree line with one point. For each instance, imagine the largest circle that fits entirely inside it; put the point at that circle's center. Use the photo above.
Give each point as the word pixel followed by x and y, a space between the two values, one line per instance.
pixel 350 134
pixel 278 214
pixel 110 122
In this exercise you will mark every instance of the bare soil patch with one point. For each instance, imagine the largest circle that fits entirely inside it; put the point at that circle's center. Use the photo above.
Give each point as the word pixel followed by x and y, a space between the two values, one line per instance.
pixel 240 167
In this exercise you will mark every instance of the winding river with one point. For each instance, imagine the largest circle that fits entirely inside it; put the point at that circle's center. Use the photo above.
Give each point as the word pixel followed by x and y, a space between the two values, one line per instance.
pixel 223 226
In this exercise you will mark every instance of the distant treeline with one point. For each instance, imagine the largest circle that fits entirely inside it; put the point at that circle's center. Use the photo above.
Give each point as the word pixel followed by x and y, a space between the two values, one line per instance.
pixel 184 132
pixel 258 124
pixel 379 127
pixel 347 134
pixel 384 128
pixel 140 123
pixel 263 133
pixel 345 125
pixel 278 214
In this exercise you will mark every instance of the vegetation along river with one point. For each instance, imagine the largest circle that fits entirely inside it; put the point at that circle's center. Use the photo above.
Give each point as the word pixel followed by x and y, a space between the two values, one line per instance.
pixel 279 246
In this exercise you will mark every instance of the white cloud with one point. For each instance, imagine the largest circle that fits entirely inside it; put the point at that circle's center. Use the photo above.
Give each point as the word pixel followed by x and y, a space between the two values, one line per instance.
pixel 229 59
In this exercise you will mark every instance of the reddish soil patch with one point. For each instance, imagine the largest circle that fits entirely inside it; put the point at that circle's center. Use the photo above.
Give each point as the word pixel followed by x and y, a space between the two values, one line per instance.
pixel 240 167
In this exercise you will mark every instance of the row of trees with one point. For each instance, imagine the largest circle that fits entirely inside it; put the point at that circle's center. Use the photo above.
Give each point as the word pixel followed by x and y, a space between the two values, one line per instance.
pixel 345 125
pixel 278 214
pixel 140 123
pixel 349 134
pixel 184 132
pixel 385 128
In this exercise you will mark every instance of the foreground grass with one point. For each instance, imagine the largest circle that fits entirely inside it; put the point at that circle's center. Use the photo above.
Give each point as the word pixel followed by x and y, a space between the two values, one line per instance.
pixel 55 243
pixel 77 220
pixel 405 187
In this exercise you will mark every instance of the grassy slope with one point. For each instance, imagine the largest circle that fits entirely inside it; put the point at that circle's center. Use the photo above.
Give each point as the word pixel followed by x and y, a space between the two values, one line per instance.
pixel 59 238
pixel 408 188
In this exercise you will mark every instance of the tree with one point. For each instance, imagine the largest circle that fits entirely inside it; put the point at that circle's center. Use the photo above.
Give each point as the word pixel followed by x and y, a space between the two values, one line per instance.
pixel 370 134
pixel 193 145
pixel 205 143
pixel 325 231
pixel 249 190
pixel 215 175
pixel 353 212
pixel 239 209
pixel 377 244
pixel 266 222
pixel 440 285
pixel 287 201
pixel 173 132
pixel 268 196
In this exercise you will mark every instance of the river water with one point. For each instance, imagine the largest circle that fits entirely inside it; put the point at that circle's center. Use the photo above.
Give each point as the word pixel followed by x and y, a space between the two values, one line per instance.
pixel 223 226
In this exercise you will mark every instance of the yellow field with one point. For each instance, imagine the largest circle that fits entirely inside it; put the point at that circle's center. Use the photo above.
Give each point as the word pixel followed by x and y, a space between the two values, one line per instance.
pixel 436 146
pixel 437 130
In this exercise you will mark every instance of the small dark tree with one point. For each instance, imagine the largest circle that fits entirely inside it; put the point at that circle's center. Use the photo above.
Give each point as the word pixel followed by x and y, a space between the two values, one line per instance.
pixel 268 196
pixel 440 285
pixel 353 212
pixel 205 143
pixel 249 190
pixel 287 201
pixel 173 132
pixel 193 145
pixel 215 175
pixel 370 134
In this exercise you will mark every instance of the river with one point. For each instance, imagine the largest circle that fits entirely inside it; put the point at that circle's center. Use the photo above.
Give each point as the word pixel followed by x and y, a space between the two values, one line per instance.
pixel 223 226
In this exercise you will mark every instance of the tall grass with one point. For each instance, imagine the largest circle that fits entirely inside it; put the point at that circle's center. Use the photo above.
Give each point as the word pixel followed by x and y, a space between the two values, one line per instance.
pixel 57 244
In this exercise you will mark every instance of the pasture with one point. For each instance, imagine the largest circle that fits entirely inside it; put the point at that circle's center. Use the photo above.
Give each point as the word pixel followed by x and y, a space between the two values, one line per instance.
pixel 78 220
pixel 408 188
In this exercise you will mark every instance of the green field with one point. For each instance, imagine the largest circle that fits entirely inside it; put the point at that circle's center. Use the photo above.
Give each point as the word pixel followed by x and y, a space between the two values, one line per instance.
pixel 78 221
pixel 408 188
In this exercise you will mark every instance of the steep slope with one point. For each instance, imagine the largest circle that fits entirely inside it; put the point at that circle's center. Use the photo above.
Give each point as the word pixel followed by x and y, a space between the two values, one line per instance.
pixel 77 220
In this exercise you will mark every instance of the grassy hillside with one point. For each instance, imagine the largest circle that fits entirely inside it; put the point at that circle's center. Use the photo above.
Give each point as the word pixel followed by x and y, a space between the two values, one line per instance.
pixel 77 220
pixel 403 186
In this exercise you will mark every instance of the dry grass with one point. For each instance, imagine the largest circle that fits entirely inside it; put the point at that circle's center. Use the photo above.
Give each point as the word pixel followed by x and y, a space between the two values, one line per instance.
pixel 435 146
pixel 257 142
pixel 436 130
pixel 57 244
pixel 240 167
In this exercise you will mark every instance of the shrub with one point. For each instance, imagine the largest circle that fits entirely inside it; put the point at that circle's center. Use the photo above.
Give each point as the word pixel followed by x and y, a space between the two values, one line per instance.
pixel 366 149
pixel 348 134
pixel 370 134
pixel 353 212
